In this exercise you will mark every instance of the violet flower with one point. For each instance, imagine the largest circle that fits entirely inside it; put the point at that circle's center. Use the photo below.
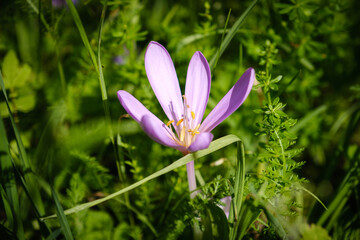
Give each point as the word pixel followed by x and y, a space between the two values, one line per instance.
pixel 118 60
pixel 226 207
pixel 184 131
pixel 61 3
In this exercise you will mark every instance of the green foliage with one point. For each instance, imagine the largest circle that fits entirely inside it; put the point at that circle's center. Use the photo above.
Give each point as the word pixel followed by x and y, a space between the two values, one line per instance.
pixel 66 142
pixel 17 76
pixel 278 151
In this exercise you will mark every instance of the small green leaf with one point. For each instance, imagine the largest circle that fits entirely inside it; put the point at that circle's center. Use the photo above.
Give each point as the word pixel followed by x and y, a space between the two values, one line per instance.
pixel 14 74
pixel 274 87
pixel 277 79
pixel 25 102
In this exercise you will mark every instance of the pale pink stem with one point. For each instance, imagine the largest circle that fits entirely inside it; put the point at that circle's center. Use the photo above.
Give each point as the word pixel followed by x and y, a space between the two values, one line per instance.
pixel 190 168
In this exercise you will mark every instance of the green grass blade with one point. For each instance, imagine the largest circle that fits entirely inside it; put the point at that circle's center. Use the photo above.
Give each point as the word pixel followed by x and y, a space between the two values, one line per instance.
pixel 62 217
pixel 238 189
pixel 104 94
pixel 101 75
pixel 9 181
pixel 344 193
pixel 43 227
pixel 230 35
pixel 54 235
pixel 276 221
pixel 25 165
pixel 304 122
pixel 314 196
pixel 214 146
pixel 83 35
pixel 7 208
pixel 222 40
pixel 140 216
pixel 343 118
pixel 116 150
pixel 247 216
pixel 42 18
pixel 19 142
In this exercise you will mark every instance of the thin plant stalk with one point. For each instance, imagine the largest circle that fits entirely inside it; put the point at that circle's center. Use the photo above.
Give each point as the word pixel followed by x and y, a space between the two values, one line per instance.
pixel 190 168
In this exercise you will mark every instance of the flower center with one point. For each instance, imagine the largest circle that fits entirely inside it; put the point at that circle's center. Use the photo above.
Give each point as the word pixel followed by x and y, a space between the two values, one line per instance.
pixel 185 128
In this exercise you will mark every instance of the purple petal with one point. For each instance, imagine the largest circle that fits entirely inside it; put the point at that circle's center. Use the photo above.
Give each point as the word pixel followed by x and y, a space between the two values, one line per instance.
pixel 163 80
pixel 198 81
pixel 226 208
pixel 202 141
pixel 230 102
pixel 159 132
pixel 132 106
pixel 151 125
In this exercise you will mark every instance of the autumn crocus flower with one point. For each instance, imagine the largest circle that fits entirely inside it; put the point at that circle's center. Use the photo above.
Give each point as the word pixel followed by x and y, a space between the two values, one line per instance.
pixel 184 130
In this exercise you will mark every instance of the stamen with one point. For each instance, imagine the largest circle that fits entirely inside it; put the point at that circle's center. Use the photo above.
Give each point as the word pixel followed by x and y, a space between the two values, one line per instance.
pixel 182 134
pixel 179 122
pixel 185 134
pixel 169 122
pixel 192 115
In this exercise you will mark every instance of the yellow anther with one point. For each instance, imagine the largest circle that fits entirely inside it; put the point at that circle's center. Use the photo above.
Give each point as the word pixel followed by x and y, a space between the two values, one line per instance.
pixel 182 134
pixel 170 122
pixel 197 128
pixel 194 133
pixel 179 122
pixel 192 115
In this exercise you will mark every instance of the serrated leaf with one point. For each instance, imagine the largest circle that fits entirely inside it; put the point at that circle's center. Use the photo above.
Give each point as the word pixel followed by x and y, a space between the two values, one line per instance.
pixel 14 74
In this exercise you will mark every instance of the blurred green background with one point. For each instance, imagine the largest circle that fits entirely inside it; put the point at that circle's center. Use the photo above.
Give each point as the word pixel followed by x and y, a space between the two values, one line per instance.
pixel 56 102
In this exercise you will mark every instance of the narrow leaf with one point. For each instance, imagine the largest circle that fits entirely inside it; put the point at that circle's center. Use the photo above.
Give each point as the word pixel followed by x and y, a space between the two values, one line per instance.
pixel 82 32
pixel 19 142
pixel 230 34
pixel 9 183
pixel 304 122
pixel 101 75
pixel 214 146
pixel 62 218
pixel 238 189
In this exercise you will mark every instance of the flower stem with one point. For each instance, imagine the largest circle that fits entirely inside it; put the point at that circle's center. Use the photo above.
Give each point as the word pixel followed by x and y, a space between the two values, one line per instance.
pixel 190 168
